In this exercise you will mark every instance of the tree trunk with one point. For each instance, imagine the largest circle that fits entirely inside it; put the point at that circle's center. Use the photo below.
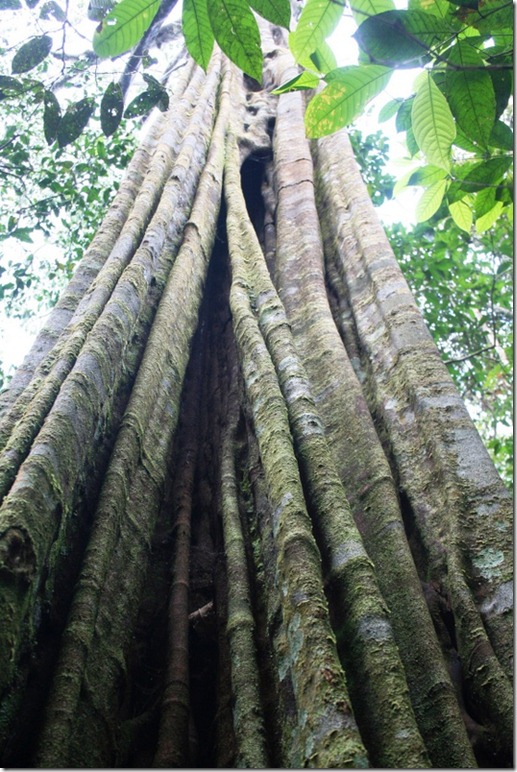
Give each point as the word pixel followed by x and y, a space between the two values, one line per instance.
pixel 246 519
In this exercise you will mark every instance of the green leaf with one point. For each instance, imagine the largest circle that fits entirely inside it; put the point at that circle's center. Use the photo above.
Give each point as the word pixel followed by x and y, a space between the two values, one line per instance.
pixel 461 140
pixel 317 21
pixel 401 38
pixel 9 87
pixel 389 110
pixel 275 11
pixel 51 8
pixel 427 175
pixel 323 59
pixel 440 8
pixel 51 116
pixel 411 143
pixel 470 93
pixel 501 136
pixel 141 104
pixel 402 182
pixel 502 82
pixel 152 82
pixel 484 201
pixel 348 91
pixel 10 5
pixel 74 120
pixel 144 102
pixel 465 3
pixel 504 192
pixel 363 9
pixel 458 173
pixel 123 27
pixel 237 34
pixel 433 124
pixel 494 15
pixel 31 54
pixel 112 107
pixel 403 119
pixel 156 87
pixel 461 213
pixel 305 80
pixel 197 30
pixel 495 52
pixel 430 200
pixel 487 220
pixel 486 174
pixel 22 234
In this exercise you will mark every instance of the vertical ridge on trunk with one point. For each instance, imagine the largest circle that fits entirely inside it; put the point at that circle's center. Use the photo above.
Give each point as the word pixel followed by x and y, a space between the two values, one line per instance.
pixel 442 465
pixel 393 731
pixel 247 709
pixel 304 656
pixel 363 467
pixel 172 744
pixel 122 227
pixel 137 468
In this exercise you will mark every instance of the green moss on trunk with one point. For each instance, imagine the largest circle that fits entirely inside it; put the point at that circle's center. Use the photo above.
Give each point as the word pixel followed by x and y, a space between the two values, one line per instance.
pixel 310 566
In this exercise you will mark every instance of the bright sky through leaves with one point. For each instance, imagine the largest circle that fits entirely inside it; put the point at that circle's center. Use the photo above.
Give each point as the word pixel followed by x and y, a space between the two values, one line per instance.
pixel 17 335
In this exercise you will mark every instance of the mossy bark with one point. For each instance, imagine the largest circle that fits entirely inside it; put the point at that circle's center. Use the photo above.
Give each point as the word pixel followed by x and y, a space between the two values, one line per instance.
pixel 246 521
pixel 452 489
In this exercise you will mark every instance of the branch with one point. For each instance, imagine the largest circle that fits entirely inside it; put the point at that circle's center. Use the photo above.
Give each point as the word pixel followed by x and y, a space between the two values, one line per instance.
pixel 466 67
pixel 471 355
pixel 63 42
pixel 134 60
pixel 205 611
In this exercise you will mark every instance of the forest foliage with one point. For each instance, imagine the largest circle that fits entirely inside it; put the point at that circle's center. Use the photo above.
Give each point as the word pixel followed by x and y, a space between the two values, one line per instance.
pixel 454 118
pixel 69 131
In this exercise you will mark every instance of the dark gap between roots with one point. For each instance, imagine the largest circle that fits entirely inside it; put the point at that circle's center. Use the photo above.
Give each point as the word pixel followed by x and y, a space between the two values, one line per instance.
pixel 252 178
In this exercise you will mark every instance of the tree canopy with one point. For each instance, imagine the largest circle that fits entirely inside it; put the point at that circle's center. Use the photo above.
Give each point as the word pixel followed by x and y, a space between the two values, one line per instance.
pixel 454 120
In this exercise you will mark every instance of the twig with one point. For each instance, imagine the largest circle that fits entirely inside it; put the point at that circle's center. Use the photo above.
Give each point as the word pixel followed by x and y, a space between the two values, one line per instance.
pixel 136 57
pixel 205 611
pixel 471 355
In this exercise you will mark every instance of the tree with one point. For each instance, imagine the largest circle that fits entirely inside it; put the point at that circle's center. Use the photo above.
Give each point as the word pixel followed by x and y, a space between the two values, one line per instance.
pixel 247 520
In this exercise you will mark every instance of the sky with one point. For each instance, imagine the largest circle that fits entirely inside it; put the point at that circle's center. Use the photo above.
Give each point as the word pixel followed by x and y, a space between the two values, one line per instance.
pixel 17 335
pixel 401 208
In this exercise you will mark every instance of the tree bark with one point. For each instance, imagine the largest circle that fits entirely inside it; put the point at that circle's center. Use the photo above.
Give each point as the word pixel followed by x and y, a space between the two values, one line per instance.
pixel 246 520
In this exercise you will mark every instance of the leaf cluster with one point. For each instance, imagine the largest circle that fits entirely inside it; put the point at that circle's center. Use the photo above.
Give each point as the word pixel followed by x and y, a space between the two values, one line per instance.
pixel 51 202
pixel 32 71
pixel 455 120
pixel 371 153
pixel 230 23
